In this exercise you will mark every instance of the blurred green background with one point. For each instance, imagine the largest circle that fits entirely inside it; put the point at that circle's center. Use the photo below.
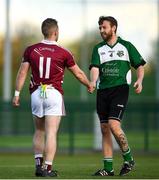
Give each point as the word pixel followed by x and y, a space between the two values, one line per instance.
pixel 76 134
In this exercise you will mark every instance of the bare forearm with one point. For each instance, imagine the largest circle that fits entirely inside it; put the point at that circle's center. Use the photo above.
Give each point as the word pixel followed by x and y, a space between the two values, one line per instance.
pixel 140 76
pixel 140 73
pixel 93 77
pixel 82 78
pixel 94 74
pixel 20 81
pixel 80 75
pixel 21 76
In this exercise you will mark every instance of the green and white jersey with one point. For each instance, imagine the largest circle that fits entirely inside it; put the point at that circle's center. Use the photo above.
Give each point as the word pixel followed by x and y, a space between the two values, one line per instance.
pixel 114 62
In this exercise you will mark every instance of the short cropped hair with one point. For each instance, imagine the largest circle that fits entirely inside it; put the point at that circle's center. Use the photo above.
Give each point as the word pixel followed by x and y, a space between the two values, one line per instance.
pixel 112 20
pixel 48 26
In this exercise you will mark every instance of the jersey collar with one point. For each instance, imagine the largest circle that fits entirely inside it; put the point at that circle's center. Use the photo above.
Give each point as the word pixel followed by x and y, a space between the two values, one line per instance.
pixel 49 42
pixel 118 39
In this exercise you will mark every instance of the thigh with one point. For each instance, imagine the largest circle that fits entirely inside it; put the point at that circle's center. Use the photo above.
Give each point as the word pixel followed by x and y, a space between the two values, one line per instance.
pixel 52 123
pixel 39 123
pixel 119 102
pixel 102 106
pixel 105 128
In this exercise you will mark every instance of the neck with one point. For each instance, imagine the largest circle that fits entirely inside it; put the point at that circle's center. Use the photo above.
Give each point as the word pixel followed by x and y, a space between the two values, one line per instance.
pixel 52 38
pixel 113 40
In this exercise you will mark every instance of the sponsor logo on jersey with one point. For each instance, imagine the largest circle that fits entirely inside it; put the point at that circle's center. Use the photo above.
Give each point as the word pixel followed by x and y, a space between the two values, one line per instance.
pixel 46 49
pixel 110 71
pixel 102 53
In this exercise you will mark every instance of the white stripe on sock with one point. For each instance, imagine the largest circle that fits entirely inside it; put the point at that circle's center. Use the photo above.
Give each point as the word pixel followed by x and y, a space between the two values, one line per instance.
pixel 48 162
pixel 124 153
pixel 108 159
pixel 38 155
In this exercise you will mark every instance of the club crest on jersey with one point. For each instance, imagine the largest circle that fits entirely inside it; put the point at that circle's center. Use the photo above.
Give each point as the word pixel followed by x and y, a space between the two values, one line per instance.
pixel 120 53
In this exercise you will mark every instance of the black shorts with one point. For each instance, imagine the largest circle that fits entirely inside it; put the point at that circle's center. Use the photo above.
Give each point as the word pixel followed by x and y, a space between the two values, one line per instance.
pixel 111 102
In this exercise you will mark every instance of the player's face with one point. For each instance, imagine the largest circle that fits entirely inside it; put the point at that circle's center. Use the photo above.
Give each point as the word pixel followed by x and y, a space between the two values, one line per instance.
pixel 106 30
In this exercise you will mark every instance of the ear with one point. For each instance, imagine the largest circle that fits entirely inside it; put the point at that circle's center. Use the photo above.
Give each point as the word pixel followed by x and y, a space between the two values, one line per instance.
pixel 114 28
pixel 56 32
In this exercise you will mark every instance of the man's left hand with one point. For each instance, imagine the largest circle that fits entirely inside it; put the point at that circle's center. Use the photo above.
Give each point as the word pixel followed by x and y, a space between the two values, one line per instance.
pixel 138 86
pixel 92 87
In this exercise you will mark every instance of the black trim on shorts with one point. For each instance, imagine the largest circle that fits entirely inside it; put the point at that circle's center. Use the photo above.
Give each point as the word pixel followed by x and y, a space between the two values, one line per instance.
pixel 114 118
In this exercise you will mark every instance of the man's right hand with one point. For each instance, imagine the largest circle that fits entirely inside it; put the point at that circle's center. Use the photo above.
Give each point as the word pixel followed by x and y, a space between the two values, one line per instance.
pixel 16 101
pixel 92 87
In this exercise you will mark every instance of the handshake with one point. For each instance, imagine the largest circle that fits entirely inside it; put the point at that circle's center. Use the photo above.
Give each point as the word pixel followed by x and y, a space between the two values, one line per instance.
pixel 91 87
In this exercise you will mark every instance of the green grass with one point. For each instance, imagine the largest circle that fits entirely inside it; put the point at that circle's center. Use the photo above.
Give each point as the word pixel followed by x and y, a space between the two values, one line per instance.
pixel 79 166
pixel 84 141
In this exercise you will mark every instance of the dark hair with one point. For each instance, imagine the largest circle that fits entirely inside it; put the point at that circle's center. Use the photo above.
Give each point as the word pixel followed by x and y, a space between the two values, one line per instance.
pixel 112 20
pixel 47 26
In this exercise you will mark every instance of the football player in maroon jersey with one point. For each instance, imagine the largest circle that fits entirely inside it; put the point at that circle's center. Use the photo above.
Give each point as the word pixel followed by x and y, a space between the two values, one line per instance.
pixel 47 61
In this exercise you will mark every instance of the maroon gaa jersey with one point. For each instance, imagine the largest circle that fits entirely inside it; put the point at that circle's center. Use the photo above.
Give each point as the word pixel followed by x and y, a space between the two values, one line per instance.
pixel 47 61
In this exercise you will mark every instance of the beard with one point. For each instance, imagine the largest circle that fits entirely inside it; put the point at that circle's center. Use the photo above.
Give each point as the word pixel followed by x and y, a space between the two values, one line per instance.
pixel 107 36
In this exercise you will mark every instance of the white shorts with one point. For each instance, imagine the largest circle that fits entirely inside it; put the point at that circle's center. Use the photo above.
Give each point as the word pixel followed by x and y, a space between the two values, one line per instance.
pixel 52 105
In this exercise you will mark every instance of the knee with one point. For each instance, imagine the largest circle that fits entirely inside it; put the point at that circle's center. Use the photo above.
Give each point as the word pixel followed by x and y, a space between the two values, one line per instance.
pixel 40 128
pixel 105 129
pixel 39 132
pixel 115 126
pixel 51 134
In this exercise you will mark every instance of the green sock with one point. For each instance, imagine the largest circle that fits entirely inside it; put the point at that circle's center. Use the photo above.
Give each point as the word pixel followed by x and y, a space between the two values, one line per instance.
pixel 108 164
pixel 127 155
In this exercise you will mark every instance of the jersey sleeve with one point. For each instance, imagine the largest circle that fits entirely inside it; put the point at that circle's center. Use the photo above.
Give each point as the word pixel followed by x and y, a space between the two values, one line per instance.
pixel 69 61
pixel 95 61
pixel 135 58
pixel 26 55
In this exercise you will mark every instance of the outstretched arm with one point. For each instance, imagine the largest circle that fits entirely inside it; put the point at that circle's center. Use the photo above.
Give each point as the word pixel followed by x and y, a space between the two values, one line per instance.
pixel 94 74
pixel 21 77
pixel 140 76
pixel 80 75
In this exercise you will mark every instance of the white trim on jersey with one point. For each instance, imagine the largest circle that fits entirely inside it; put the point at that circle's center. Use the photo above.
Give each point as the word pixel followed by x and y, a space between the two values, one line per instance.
pixel 55 43
pixel 49 42
pixel 105 51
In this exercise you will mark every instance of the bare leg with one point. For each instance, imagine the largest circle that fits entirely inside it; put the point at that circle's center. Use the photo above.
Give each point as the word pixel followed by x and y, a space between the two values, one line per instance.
pixel 119 134
pixel 51 128
pixel 107 148
pixel 106 140
pixel 123 143
pixel 38 138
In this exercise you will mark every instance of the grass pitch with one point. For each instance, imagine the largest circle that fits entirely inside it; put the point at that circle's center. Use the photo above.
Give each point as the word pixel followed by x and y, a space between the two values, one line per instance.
pixel 79 166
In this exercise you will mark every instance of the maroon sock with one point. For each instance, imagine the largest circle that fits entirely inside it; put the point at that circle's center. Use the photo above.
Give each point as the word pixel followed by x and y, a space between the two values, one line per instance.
pixel 48 166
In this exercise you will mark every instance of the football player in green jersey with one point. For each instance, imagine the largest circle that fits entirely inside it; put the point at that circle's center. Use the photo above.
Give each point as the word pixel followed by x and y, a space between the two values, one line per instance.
pixel 110 72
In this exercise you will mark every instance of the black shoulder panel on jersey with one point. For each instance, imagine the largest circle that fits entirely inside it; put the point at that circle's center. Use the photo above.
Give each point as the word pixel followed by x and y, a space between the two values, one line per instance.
pixel 93 65
pixel 140 64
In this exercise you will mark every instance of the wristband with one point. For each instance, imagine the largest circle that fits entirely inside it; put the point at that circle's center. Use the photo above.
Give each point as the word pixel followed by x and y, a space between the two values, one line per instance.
pixel 16 93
